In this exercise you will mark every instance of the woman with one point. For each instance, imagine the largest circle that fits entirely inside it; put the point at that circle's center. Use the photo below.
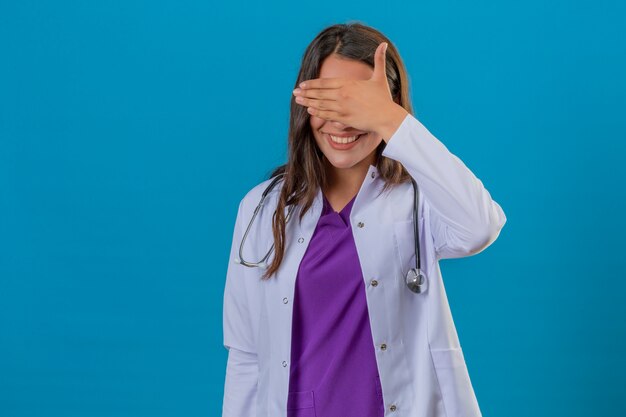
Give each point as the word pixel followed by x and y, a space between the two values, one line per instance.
pixel 330 328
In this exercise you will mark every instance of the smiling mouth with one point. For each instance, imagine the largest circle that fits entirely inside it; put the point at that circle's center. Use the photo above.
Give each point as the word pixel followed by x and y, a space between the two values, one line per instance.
pixel 341 140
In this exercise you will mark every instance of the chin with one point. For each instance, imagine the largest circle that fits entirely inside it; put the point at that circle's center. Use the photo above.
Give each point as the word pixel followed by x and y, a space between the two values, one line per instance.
pixel 343 162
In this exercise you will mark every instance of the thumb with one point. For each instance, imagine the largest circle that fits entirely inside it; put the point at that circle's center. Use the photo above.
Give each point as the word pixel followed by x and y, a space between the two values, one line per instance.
pixel 380 72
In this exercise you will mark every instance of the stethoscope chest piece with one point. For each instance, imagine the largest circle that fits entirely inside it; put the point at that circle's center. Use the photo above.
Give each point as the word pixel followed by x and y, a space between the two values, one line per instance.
pixel 416 281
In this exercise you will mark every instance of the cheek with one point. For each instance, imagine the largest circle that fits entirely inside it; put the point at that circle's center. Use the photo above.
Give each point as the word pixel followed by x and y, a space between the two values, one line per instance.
pixel 315 122
pixel 319 139
pixel 372 142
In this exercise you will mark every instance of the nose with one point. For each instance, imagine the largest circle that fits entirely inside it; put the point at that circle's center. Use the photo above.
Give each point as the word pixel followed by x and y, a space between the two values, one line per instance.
pixel 339 125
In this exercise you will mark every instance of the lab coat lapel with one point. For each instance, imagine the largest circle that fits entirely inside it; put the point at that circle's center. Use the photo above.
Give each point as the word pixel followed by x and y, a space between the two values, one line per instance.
pixel 298 235
pixel 370 188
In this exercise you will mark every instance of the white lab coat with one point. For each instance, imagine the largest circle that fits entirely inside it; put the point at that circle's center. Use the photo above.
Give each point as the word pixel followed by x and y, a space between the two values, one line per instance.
pixel 422 368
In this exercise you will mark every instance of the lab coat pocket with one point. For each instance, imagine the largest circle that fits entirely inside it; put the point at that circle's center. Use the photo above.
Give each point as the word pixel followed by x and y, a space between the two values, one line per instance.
pixel 456 388
pixel 301 404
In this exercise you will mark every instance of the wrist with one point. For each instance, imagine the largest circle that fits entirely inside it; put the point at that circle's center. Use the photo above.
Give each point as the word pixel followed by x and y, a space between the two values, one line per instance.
pixel 392 121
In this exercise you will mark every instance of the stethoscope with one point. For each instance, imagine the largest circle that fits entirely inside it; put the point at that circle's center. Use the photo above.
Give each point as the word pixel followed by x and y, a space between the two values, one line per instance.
pixel 415 279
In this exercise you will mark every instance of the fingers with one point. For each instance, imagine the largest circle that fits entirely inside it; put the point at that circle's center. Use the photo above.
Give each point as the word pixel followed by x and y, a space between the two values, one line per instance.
pixel 325 114
pixel 322 94
pixel 317 104
pixel 322 83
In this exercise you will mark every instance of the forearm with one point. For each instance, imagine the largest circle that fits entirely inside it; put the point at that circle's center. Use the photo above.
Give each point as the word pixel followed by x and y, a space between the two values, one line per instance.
pixel 463 215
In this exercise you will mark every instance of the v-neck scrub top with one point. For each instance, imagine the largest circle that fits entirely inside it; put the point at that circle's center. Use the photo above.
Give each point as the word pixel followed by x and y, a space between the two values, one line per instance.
pixel 333 369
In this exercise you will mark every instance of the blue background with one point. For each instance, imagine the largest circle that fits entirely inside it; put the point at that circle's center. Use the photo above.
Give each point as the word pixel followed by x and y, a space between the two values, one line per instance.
pixel 130 130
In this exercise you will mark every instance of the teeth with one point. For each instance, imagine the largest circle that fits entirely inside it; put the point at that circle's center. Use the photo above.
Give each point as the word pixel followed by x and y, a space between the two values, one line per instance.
pixel 343 140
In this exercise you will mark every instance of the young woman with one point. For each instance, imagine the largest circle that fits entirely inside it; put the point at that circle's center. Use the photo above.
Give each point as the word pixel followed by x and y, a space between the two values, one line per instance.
pixel 345 320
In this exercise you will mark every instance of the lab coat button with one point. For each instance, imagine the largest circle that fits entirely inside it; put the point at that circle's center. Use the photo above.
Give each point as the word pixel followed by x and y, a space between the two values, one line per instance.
pixel 284 364
pixel 360 224
pixel 383 347
pixel 392 407
pixel 301 240
pixel 373 174
pixel 374 283
pixel 285 301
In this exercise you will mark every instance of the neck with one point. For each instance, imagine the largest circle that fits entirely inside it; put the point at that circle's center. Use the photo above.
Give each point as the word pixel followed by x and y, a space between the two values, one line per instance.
pixel 347 182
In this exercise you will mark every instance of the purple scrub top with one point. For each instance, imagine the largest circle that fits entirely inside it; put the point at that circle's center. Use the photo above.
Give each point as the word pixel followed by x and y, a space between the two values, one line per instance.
pixel 333 362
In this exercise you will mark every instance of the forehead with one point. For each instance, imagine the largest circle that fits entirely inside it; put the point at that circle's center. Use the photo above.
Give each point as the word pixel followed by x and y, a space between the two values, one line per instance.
pixel 334 67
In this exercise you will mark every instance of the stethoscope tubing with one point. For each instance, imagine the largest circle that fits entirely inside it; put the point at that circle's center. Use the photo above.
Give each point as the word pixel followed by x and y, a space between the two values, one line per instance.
pixel 414 279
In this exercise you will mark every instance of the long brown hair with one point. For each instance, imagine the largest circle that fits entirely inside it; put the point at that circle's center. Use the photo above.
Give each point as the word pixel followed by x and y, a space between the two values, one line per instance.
pixel 304 170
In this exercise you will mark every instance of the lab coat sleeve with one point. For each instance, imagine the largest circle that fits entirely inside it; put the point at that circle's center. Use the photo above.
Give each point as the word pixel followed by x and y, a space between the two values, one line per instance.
pixel 242 370
pixel 464 219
